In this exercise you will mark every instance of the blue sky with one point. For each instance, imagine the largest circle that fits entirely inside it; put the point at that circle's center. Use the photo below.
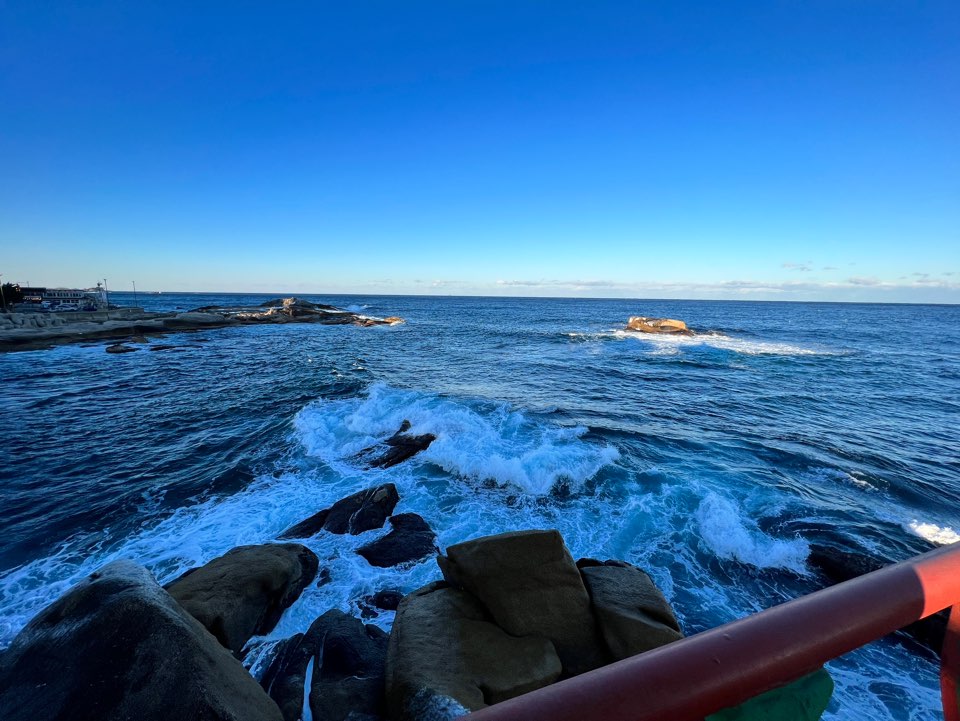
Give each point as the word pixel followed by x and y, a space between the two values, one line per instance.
pixel 783 150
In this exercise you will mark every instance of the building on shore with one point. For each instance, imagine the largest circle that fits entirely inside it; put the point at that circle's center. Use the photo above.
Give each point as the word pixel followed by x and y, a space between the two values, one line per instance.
pixel 63 299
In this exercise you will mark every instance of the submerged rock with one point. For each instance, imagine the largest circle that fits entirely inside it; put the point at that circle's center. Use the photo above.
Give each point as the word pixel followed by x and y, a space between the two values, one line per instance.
pixel 363 511
pixel 632 613
pixel 447 657
pixel 243 593
pixel 410 539
pixel 118 647
pixel 642 324
pixel 839 565
pixel 401 446
pixel 531 586
pixel 347 670
pixel 120 348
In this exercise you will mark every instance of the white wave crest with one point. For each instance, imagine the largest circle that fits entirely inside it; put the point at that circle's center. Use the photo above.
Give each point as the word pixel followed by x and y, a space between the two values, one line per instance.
pixel 354 308
pixel 732 535
pixel 938 535
pixel 668 344
pixel 473 440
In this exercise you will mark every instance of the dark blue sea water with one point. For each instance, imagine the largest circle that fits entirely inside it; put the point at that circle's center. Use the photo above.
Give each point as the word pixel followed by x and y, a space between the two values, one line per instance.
pixel 713 461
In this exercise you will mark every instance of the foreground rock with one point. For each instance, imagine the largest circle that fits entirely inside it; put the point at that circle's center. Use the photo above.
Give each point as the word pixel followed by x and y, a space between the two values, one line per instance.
pixel 411 539
pixel 400 447
pixel 447 657
pixel 243 593
pixel 642 324
pixel 363 511
pixel 31 331
pixel 529 583
pixel 345 661
pixel 632 613
pixel 117 647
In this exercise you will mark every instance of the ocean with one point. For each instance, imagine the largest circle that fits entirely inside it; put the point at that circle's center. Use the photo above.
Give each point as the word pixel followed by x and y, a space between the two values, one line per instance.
pixel 714 462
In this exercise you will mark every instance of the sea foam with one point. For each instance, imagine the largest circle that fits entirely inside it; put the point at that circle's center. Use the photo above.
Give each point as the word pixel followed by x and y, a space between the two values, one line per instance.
pixel 731 535
pixel 474 440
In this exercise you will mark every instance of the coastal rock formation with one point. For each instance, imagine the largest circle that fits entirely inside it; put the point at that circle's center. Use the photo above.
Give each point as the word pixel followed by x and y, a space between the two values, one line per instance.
pixel 33 330
pixel 117 647
pixel 119 348
pixel 400 447
pixel 410 539
pixel 345 661
pixel 385 600
pixel 632 613
pixel 642 324
pixel 529 583
pixel 446 656
pixel 363 511
pixel 243 593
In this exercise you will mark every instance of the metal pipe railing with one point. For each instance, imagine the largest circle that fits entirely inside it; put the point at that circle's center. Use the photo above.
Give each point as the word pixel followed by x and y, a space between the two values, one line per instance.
pixel 725 666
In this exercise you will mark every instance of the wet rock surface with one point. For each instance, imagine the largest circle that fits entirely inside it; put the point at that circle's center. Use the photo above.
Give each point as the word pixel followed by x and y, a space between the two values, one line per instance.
pixel 363 511
pixel 400 447
pixel 345 661
pixel 410 539
pixel 243 593
pixel 118 647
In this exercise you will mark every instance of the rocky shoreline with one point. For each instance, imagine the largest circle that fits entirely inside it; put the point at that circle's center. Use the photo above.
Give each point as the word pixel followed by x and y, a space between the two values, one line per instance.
pixel 507 614
pixel 38 331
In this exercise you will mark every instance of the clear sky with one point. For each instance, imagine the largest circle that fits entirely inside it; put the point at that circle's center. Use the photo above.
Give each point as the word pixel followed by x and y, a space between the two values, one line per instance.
pixel 762 149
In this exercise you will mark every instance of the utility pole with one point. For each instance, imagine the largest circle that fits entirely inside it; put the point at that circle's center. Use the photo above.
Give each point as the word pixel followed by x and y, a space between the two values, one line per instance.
pixel 134 291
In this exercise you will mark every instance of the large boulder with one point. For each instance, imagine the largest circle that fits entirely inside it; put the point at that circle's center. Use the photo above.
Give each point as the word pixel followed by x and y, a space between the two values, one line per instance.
pixel 244 592
pixel 531 586
pixel 447 657
pixel 345 661
pixel 117 647
pixel 632 613
pixel 642 324
pixel 400 446
pixel 411 539
pixel 363 511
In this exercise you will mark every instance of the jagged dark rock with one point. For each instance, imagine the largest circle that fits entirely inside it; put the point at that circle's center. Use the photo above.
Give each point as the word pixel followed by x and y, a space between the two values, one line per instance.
pixel 385 600
pixel 117 647
pixel 400 447
pixel 348 670
pixel 363 511
pixel 410 539
pixel 243 593
pixel 447 656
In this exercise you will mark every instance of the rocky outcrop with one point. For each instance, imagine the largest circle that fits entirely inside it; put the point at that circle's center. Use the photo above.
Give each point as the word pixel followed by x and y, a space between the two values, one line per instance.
pixel 411 539
pixel 631 612
pixel 345 662
pixel 118 647
pixel 446 656
pixel 243 593
pixel 119 348
pixel 386 600
pixel 529 583
pixel 642 324
pixel 400 447
pixel 363 511
pixel 30 331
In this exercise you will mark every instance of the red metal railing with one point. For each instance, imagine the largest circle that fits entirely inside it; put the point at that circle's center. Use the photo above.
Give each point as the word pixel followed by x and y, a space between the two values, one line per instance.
pixel 723 667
